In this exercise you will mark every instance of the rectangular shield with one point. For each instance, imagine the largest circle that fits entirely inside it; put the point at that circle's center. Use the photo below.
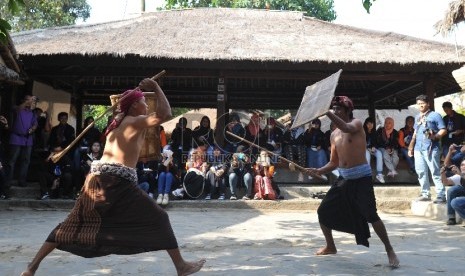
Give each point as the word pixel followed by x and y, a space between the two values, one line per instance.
pixel 317 100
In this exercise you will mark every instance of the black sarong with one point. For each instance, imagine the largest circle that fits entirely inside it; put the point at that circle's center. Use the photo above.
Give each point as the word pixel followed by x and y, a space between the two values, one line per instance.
pixel 348 207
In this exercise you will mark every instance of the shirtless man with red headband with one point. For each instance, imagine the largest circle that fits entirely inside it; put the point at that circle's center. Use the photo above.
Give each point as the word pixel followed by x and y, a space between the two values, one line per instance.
pixel 112 215
pixel 350 203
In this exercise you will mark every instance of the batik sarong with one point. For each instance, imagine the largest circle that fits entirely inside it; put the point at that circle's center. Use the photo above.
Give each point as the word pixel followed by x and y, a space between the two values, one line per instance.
pixel 113 216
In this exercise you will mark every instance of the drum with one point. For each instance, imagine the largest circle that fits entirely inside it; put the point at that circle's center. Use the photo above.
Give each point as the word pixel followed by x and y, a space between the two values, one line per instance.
pixel 151 148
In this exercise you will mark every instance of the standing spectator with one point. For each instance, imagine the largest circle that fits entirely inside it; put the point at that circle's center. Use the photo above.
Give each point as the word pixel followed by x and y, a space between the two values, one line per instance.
pixel 455 125
pixel 456 193
pixel 293 144
pixel 405 137
pixel 4 193
pixel 163 141
pixel 23 125
pixel 235 127
pixel 63 133
pixel 314 140
pixel 429 129
pixel 371 136
pixel 389 145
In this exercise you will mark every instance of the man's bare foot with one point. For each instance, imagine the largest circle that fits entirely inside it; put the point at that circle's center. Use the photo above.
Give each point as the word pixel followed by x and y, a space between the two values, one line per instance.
pixel 191 267
pixel 27 272
pixel 326 251
pixel 393 261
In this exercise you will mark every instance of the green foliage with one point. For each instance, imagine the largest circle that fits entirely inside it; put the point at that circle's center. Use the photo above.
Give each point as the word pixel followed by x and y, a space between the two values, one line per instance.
pixel 14 7
pixel 176 111
pixel 42 13
pixel 367 4
pixel 96 111
pixel 321 9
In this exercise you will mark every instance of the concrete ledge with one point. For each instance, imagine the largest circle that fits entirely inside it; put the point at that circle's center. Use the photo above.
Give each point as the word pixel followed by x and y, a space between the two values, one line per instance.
pixel 430 210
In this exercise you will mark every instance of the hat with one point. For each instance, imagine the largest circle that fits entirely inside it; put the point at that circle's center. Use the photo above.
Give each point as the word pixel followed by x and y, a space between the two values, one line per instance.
pixel 343 101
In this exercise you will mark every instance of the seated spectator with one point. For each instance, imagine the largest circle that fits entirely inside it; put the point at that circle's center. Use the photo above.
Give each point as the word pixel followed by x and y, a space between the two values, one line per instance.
pixel 389 145
pixel 147 175
pixel 455 124
pixel 216 175
pixel 167 172
pixel 55 179
pixel 405 137
pixel 92 135
pixel 181 142
pixel 93 153
pixel 193 183
pixel 371 137
pixel 264 171
pixel 203 134
pixel 456 193
pixel 254 134
pixel 240 173
pixel 293 145
pixel 273 135
pixel 235 127
pixel 314 140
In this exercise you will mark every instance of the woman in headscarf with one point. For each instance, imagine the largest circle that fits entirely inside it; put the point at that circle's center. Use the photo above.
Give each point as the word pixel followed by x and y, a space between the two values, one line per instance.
pixel 389 145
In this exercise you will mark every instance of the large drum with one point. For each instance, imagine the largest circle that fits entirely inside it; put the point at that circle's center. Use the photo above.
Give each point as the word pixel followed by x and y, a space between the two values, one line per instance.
pixel 151 147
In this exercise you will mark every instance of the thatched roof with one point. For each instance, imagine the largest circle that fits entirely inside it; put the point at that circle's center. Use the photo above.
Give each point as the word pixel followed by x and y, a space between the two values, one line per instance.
pixel 234 34
pixel 454 15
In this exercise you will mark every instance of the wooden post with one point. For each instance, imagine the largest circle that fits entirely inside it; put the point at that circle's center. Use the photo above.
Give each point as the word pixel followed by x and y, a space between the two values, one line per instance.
pixel 429 84
pixel 221 110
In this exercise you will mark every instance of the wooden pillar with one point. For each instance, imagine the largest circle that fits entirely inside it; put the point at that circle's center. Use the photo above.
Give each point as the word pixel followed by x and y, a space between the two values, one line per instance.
pixel 371 109
pixel 76 101
pixel 429 84
pixel 221 111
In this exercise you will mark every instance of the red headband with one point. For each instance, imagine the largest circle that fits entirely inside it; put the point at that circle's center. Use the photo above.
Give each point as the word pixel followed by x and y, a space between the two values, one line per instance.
pixel 124 105
pixel 134 96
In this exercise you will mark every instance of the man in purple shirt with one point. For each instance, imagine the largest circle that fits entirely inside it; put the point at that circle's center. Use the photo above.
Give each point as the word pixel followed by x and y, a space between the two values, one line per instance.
pixel 23 125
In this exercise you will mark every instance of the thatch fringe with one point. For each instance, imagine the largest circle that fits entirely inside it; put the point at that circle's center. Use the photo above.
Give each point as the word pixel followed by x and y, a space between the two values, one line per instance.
pixel 454 15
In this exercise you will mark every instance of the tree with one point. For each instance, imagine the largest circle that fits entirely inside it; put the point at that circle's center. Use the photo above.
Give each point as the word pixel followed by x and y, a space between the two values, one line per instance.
pixel 321 9
pixel 34 14
pixel 13 6
pixel 367 4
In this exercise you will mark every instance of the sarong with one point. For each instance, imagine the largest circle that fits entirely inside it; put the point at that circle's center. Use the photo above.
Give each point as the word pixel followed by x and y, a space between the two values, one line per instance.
pixel 348 207
pixel 113 216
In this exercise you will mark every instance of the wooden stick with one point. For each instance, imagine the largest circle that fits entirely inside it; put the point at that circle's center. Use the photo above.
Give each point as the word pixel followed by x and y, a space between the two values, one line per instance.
pixel 272 153
pixel 60 154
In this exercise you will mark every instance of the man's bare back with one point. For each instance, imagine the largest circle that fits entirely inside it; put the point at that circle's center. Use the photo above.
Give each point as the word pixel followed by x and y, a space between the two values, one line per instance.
pixel 349 147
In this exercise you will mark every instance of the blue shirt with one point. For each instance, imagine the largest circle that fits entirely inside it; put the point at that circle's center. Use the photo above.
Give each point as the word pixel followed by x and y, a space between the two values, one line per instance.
pixel 433 122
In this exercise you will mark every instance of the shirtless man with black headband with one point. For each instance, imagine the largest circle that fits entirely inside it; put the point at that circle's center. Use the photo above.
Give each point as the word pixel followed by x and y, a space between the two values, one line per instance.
pixel 350 203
